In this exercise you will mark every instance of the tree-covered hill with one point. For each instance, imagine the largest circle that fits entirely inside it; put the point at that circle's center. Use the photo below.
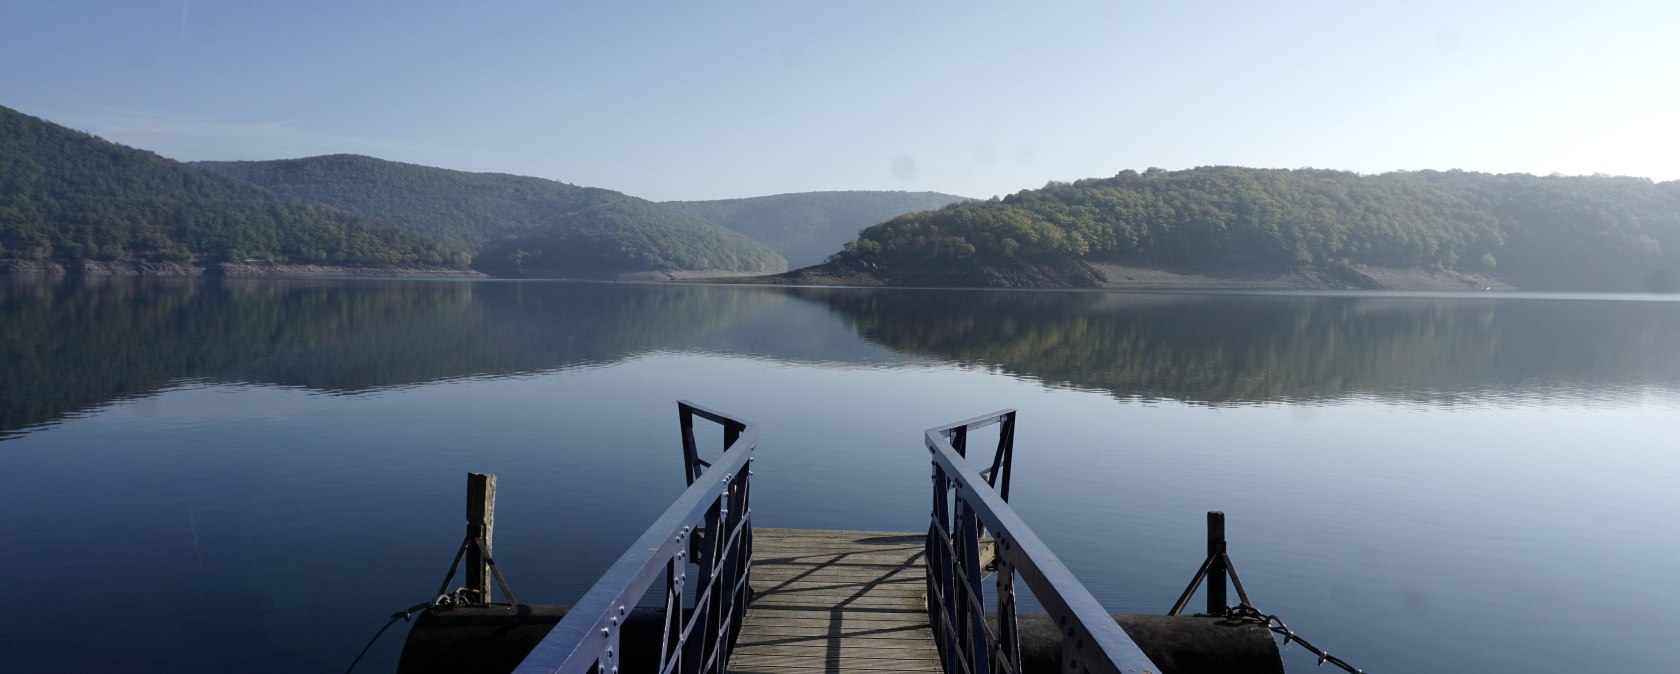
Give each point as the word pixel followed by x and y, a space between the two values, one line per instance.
pixel 1571 233
pixel 807 227
pixel 513 224
pixel 67 195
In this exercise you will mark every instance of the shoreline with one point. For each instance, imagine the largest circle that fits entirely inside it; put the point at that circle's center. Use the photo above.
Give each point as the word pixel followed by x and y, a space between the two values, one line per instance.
pixel 1117 277
pixel 1356 277
pixel 1098 276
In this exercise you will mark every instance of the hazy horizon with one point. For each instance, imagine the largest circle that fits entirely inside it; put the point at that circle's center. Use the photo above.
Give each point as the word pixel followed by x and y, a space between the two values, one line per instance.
pixel 694 103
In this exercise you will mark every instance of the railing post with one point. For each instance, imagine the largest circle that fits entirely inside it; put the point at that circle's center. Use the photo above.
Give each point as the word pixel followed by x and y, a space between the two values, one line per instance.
pixel 1009 634
pixel 971 618
pixel 1005 457
pixel 935 564
pixel 691 451
pixel 1216 601
pixel 699 645
pixel 731 433
pixel 481 526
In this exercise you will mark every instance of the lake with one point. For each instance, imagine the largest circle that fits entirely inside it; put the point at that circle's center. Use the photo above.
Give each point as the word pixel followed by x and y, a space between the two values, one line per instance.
pixel 206 475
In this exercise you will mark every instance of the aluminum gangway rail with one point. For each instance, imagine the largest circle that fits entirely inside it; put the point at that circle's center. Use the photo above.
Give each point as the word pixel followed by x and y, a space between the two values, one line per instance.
pixel 971 506
pixel 699 625
pixel 802 601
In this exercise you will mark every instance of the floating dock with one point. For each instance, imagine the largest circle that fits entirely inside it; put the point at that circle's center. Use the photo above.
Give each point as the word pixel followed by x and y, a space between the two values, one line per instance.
pixel 704 591
pixel 836 601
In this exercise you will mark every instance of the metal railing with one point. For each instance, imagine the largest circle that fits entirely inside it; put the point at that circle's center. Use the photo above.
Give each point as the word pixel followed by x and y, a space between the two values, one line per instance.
pixel 710 526
pixel 967 507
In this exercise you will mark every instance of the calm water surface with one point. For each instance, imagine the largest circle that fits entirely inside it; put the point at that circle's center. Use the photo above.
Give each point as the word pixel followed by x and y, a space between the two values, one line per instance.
pixel 249 476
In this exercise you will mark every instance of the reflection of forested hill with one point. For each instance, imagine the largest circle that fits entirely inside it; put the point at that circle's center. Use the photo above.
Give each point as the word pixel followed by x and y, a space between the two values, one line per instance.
pixel 1240 349
pixel 496 329
pixel 65 348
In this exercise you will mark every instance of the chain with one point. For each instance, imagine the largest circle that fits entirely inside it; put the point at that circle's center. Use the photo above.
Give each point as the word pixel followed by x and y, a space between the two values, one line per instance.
pixel 1247 613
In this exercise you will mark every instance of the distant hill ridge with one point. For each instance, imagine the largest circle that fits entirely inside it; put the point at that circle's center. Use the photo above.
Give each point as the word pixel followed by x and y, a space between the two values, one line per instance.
pixel 67 195
pixel 513 225
pixel 807 227
pixel 1555 233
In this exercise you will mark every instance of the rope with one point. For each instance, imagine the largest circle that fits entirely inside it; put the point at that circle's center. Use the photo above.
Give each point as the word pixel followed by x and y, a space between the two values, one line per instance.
pixel 404 614
pixel 443 597
pixel 1246 612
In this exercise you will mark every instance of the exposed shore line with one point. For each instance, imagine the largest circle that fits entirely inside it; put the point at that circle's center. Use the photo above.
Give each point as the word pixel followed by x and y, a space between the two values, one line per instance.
pixel 1091 276
pixel 1106 276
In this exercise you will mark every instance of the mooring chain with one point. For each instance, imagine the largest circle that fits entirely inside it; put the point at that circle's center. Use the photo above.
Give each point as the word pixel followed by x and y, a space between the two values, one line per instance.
pixel 444 599
pixel 1248 613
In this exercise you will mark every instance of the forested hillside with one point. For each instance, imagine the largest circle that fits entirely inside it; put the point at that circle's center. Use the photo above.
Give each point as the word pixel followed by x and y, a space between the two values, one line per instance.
pixel 513 224
pixel 67 195
pixel 1574 233
pixel 808 227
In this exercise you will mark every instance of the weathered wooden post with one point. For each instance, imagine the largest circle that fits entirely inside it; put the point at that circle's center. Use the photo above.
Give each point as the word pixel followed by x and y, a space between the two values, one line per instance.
pixel 1216 602
pixel 481 526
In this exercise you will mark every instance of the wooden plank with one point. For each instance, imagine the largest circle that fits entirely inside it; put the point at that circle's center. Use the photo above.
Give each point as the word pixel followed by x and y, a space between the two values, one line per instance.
pixel 808 589
pixel 846 616
pixel 883 558
pixel 786 662
pixel 851 650
pixel 873 576
pixel 837 589
pixel 803 589
pixel 781 633
pixel 836 601
pixel 771 532
pixel 888 662
pixel 873 581
pixel 858 605
pixel 886 557
pixel 844 600
pixel 790 573
pixel 831 543
pixel 841 600
pixel 481 524
pixel 781 575
pixel 832 669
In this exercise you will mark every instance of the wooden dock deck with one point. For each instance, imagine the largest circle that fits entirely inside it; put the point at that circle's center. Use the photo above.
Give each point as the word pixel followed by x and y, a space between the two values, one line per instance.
pixel 836 601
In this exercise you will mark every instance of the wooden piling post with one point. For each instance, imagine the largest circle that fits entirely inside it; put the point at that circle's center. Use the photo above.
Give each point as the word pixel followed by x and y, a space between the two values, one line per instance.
pixel 1216 601
pixel 481 525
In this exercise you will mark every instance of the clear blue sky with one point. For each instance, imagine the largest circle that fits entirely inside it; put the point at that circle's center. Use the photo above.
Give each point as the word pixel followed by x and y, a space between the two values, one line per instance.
pixel 697 100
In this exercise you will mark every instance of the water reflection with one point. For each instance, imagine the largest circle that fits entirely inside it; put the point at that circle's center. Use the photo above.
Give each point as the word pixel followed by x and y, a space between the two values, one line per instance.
pixel 70 346
pixel 1264 348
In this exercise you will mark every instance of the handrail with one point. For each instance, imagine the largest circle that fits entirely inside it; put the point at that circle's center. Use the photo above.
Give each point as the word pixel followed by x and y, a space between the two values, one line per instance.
pixel 712 518
pixel 967 505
